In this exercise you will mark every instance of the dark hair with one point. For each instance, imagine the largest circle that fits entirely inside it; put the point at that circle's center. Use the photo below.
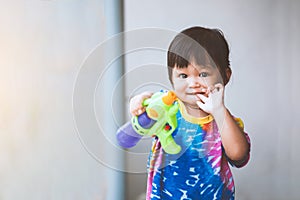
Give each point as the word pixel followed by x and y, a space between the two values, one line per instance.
pixel 202 46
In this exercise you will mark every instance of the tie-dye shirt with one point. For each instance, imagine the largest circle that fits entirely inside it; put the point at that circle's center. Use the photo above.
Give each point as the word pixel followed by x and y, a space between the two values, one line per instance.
pixel 199 171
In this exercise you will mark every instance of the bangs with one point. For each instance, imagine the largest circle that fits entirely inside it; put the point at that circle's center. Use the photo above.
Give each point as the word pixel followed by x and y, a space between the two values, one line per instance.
pixel 185 52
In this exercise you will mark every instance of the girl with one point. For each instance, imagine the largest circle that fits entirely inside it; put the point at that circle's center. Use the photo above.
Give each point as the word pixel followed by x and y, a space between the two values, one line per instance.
pixel 210 137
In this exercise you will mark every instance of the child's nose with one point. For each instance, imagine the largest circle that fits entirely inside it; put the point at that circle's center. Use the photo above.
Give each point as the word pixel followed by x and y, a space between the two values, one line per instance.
pixel 195 82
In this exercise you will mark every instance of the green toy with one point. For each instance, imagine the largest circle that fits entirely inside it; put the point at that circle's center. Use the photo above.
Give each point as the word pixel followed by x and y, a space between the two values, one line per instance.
pixel 161 108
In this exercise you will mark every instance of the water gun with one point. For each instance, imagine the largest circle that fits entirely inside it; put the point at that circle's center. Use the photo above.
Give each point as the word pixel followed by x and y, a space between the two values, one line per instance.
pixel 159 120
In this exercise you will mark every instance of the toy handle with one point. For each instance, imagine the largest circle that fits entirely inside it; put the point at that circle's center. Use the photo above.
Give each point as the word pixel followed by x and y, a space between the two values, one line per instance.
pixel 168 143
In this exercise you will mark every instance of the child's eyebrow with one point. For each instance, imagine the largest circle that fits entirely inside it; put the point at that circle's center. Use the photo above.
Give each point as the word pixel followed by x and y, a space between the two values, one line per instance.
pixel 203 67
pixel 180 70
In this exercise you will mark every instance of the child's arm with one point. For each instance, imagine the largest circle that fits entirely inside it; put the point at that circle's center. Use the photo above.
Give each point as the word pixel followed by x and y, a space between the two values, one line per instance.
pixel 233 138
pixel 136 103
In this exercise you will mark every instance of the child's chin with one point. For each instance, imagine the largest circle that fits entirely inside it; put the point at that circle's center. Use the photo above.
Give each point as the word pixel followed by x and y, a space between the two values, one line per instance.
pixel 192 104
pixel 190 100
pixel 193 99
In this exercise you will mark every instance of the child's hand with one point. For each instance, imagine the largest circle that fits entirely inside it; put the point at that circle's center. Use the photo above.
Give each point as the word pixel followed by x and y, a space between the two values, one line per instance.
pixel 214 99
pixel 136 103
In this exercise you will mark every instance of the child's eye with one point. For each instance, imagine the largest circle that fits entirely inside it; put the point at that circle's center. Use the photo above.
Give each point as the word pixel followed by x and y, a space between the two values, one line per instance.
pixel 182 75
pixel 203 74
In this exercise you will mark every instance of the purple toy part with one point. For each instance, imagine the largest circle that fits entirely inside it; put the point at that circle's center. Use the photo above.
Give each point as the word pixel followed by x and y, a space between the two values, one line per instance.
pixel 127 137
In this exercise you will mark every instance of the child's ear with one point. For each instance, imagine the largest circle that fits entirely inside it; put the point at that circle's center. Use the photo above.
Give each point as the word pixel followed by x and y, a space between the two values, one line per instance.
pixel 228 75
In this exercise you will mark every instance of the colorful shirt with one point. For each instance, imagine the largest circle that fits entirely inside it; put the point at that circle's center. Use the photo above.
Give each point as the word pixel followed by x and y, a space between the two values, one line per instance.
pixel 199 171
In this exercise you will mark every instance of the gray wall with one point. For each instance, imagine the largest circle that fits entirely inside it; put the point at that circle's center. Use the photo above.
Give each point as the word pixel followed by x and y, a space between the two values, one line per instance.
pixel 43 46
pixel 265 50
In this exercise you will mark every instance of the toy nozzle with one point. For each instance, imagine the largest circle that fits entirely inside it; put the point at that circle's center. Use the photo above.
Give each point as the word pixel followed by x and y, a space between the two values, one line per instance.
pixel 169 98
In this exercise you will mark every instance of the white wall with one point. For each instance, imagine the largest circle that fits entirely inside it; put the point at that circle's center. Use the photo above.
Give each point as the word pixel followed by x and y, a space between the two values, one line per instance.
pixel 264 40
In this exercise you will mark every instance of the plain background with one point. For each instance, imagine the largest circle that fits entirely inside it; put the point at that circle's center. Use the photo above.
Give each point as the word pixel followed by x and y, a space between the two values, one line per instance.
pixel 43 44
pixel 263 91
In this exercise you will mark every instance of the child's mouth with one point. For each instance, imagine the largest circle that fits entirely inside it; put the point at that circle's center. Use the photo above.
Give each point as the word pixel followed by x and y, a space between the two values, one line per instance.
pixel 197 93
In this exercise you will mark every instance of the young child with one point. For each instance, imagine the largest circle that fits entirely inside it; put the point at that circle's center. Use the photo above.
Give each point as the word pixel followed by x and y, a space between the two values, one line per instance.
pixel 210 137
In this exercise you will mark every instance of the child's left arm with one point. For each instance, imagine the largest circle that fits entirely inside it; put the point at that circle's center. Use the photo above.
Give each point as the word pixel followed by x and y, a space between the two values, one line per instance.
pixel 234 140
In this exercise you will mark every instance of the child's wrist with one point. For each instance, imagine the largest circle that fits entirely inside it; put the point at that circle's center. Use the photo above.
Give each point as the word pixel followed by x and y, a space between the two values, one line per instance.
pixel 220 111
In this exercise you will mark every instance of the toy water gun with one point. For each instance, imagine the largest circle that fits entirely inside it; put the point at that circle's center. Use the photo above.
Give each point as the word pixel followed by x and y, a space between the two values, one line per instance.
pixel 159 120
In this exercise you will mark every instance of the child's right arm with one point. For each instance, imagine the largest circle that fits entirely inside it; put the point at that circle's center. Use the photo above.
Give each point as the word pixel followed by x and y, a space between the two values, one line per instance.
pixel 136 103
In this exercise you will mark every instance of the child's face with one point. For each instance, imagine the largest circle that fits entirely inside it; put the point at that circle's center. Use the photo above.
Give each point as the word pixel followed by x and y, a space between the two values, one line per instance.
pixel 187 82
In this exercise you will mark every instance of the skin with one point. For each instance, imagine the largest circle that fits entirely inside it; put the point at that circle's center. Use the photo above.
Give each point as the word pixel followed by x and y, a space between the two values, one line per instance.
pixel 135 105
pixel 190 82
pixel 201 90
